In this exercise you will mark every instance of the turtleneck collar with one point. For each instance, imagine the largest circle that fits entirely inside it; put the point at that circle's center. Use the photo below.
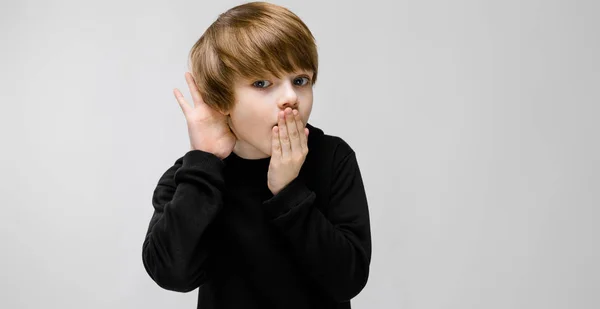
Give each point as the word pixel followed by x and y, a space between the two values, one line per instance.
pixel 247 164
pixel 246 171
pixel 257 169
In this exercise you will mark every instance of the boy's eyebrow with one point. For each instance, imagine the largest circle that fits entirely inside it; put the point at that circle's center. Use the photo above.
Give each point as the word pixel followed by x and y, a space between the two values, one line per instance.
pixel 270 75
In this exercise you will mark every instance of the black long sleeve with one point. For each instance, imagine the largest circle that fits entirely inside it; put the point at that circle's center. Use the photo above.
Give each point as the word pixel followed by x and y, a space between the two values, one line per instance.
pixel 332 241
pixel 217 227
pixel 186 200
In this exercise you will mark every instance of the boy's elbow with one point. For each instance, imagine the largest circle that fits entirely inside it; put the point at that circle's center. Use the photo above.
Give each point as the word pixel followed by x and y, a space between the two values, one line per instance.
pixel 342 288
pixel 171 278
pixel 177 283
pixel 174 280
pixel 345 292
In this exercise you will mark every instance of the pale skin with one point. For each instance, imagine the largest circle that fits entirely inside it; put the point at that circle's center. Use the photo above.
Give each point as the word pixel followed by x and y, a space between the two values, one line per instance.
pixel 288 151
pixel 207 128
pixel 258 103
pixel 210 131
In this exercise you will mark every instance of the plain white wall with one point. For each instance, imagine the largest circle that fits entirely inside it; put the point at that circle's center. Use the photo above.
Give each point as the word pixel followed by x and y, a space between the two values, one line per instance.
pixel 475 124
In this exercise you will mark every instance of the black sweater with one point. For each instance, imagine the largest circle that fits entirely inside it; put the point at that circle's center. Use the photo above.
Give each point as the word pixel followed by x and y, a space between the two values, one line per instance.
pixel 217 227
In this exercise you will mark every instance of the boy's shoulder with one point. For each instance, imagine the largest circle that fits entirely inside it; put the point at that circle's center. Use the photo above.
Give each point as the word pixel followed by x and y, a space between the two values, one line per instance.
pixel 332 146
pixel 329 157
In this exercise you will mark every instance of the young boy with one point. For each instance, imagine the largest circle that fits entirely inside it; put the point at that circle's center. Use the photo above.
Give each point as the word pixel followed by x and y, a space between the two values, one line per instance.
pixel 260 213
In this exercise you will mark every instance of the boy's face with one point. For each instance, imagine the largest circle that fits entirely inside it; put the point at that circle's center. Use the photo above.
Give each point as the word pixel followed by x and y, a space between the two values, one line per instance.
pixel 257 105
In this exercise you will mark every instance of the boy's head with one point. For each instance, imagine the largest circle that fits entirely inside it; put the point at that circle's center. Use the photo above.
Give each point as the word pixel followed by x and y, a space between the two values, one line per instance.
pixel 255 60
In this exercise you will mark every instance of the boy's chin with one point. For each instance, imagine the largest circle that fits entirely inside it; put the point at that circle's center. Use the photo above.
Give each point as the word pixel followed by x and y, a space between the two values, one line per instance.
pixel 268 151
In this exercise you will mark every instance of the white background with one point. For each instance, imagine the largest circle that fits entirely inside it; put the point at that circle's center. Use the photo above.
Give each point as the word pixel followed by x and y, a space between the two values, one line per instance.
pixel 475 124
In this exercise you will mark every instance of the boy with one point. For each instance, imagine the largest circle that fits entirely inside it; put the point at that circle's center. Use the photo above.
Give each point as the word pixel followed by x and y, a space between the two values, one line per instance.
pixel 249 215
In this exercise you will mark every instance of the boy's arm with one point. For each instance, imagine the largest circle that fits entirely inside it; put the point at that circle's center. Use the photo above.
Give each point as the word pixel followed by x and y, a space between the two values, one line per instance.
pixel 187 198
pixel 335 250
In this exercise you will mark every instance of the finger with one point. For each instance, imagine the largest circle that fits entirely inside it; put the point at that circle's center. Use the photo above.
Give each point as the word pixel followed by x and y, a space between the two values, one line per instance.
pixel 275 144
pixel 196 97
pixel 283 136
pixel 302 137
pixel 181 100
pixel 292 128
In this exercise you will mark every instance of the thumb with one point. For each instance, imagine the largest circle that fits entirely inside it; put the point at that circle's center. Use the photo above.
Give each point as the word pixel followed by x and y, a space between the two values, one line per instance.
pixel 181 100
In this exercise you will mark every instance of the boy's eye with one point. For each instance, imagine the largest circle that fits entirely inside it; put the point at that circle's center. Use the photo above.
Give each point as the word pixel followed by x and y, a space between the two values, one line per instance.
pixel 302 84
pixel 260 83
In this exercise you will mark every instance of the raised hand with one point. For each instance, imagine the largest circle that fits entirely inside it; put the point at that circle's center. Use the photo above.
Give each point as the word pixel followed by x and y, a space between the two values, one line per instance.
pixel 289 148
pixel 207 128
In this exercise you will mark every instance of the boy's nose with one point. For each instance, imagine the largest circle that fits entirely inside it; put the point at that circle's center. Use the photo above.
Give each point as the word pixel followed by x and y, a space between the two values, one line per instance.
pixel 289 97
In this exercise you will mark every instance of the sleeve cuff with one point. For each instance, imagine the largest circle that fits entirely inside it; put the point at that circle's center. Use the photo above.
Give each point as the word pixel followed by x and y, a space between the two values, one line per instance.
pixel 291 196
pixel 195 158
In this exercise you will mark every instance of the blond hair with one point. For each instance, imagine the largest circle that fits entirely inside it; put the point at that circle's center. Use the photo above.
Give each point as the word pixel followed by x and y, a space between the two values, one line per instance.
pixel 249 41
